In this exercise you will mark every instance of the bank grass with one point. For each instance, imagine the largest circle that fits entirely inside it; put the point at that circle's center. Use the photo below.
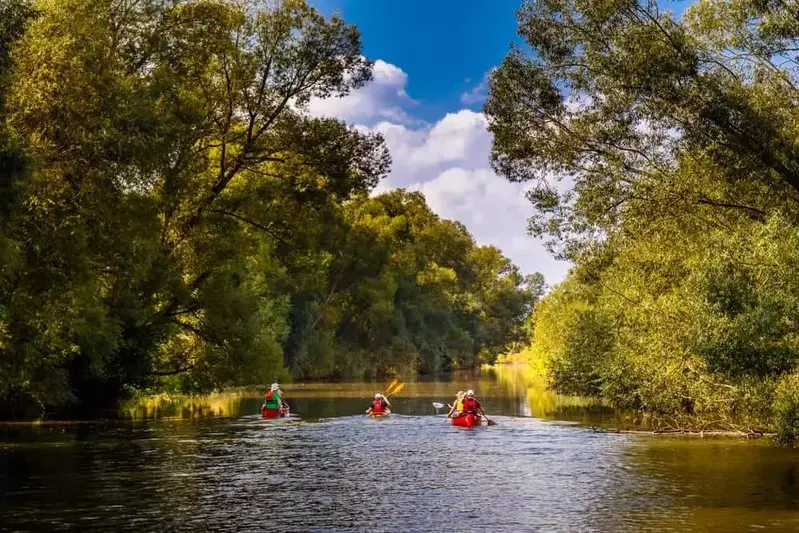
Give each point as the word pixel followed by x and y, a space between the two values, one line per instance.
pixel 751 409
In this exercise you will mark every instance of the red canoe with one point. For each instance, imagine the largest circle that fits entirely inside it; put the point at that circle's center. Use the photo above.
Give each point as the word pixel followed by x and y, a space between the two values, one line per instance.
pixel 274 413
pixel 466 421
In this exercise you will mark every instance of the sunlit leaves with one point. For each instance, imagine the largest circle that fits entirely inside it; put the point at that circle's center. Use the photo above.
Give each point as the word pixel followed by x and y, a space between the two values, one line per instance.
pixel 170 215
pixel 618 97
pixel 175 194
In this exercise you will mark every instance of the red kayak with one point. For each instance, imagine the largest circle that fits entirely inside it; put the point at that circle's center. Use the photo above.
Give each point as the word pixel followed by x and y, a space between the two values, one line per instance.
pixel 466 421
pixel 275 413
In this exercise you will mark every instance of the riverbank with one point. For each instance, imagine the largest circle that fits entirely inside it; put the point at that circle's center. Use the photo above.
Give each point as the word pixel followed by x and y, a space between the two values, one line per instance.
pixel 517 374
pixel 688 433
pixel 505 389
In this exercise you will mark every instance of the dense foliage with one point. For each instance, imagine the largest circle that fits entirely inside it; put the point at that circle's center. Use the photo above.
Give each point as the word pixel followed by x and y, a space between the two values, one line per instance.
pixel 675 143
pixel 170 215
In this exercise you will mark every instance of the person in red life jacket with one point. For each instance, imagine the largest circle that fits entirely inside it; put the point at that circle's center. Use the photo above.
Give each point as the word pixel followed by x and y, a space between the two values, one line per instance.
pixel 471 405
pixel 273 400
pixel 379 405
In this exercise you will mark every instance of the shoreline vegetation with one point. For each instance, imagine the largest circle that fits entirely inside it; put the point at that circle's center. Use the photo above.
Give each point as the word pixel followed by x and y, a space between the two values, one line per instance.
pixel 698 433
pixel 630 421
pixel 515 376
pixel 663 161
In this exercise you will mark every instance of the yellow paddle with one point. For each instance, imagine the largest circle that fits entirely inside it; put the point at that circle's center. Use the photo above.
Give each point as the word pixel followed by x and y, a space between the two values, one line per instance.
pixel 393 384
pixel 396 390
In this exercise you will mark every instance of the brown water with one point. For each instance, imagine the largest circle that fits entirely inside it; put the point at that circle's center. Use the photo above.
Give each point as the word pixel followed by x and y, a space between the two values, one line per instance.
pixel 215 465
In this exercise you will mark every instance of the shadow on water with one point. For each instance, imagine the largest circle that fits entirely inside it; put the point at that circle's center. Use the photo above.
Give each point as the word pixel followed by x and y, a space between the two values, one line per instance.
pixel 213 464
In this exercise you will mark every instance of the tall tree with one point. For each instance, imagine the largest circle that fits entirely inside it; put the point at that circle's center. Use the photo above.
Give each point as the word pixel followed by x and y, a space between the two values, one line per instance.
pixel 159 131
pixel 179 220
pixel 648 116
pixel 675 144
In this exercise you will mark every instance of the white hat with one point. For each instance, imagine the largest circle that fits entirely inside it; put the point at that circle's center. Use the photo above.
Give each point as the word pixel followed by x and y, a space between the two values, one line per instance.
pixel 378 396
pixel 470 392
pixel 275 386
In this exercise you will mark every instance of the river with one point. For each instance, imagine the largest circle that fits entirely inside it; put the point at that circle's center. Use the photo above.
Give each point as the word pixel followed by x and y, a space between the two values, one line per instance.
pixel 214 465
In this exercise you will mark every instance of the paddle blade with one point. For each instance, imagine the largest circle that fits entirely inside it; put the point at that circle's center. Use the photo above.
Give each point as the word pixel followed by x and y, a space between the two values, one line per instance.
pixel 398 389
pixel 393 384
pixel 491 422
pixel 438 405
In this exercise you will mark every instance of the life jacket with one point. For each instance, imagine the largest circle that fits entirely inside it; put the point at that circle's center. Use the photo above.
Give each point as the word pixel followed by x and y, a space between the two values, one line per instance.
pixel 272 400
pixel 377 406
pixel 459 404
pixel 469 405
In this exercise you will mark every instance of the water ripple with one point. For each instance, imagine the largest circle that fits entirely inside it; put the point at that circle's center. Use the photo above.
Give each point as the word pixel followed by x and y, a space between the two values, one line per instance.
pixel 403 473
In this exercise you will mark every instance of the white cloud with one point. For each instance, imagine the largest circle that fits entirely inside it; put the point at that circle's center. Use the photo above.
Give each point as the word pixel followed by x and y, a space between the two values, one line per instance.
pixel 495 211
pixel 476 94
pixel 383 98
pixel 457 140
pixel 449 163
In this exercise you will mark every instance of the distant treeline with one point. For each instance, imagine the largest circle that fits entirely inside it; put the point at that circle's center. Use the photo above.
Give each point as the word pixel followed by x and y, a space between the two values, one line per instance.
pixel 171 218
pixel 678 141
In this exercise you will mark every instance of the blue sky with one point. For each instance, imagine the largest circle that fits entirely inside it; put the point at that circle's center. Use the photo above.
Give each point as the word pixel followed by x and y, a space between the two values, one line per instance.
pixel 431 61
pixel 438 43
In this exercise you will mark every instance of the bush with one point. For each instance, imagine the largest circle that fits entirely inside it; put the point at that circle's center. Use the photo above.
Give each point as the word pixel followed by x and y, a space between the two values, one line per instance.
pixel 786 408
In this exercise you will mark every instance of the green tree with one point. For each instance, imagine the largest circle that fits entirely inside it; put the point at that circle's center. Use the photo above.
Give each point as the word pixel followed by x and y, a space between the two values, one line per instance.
pixel 409 292
pixel 675 143
pixel 159 131
pixel 172 217
pixel 648 116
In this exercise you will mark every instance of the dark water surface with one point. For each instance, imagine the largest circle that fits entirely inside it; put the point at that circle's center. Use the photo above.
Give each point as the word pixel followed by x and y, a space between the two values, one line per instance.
pixel 179 469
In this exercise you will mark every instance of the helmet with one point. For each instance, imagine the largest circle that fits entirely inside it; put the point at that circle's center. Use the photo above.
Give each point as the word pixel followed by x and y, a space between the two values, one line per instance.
pixel 378 396
pixel 275 386
pixel 470 393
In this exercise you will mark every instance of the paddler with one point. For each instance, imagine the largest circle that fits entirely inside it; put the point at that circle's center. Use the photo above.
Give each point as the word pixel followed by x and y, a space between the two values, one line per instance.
pixel 274 399
pixel 457 405
pixel 379 405
pixel 471 405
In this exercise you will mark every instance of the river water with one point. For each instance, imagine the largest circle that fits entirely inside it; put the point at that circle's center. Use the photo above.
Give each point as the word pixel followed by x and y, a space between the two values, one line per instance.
pixel 214 465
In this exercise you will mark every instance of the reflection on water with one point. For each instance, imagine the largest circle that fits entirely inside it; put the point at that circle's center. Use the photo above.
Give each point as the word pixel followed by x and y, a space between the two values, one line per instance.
pixel 506 390
pixel 717 484
pixel 215 465
pixel 186 407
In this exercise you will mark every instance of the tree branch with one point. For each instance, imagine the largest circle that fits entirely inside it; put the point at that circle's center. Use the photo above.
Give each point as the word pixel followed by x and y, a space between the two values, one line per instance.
pixel 171 372
pixel 249 221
